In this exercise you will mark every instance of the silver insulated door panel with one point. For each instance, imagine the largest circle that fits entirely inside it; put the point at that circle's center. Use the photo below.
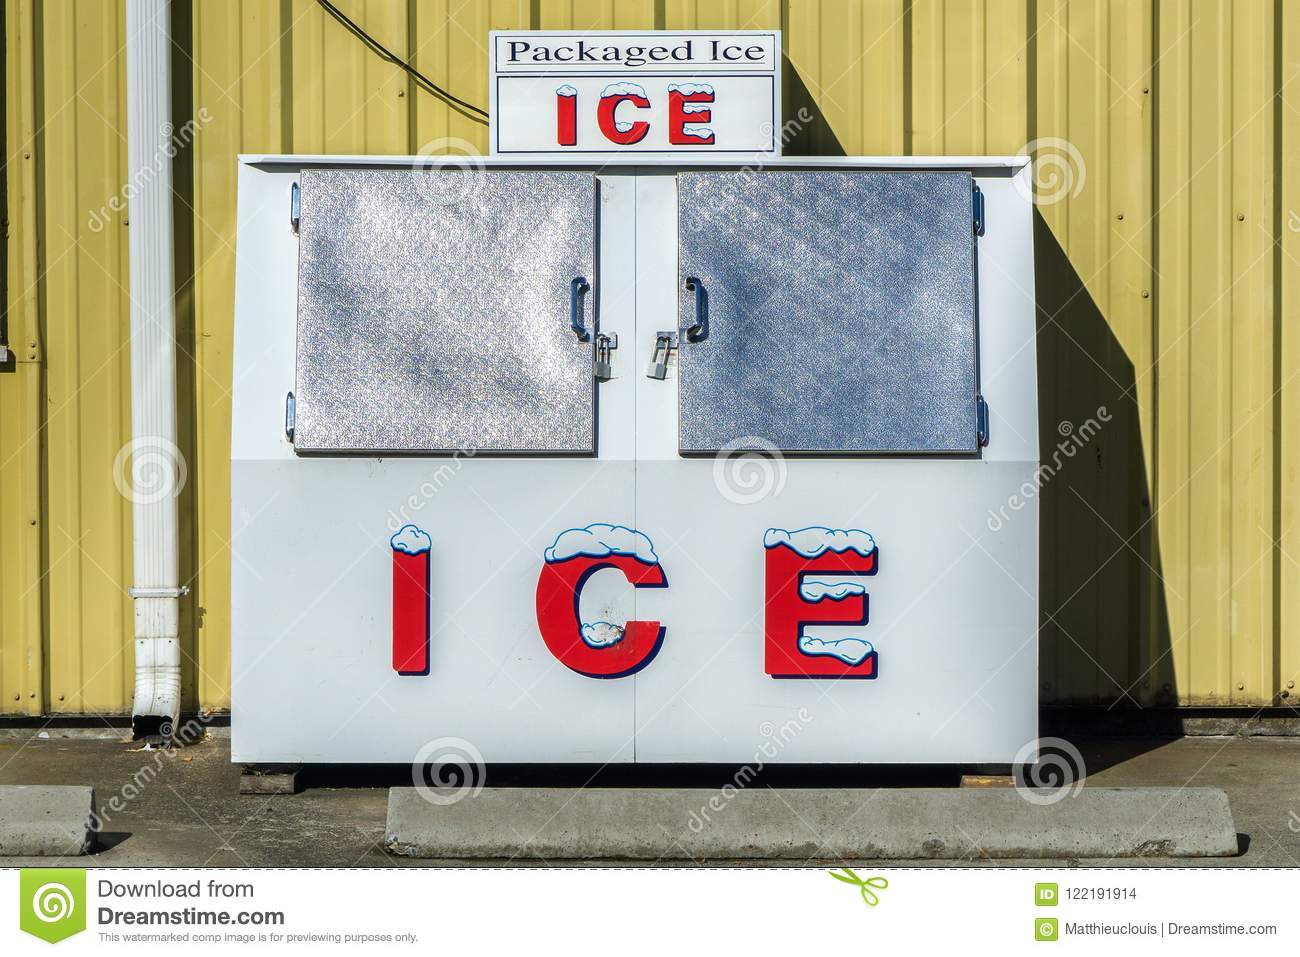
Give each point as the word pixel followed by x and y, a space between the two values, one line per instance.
pixel 434 308
pixel 839 312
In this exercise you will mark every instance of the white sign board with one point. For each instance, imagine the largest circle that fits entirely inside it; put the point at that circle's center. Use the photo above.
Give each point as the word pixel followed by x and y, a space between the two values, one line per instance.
pixel 602 95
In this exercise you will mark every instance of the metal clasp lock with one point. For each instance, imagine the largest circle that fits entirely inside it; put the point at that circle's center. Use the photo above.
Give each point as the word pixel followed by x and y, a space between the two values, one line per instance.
pixel 665 343
pixel 605 344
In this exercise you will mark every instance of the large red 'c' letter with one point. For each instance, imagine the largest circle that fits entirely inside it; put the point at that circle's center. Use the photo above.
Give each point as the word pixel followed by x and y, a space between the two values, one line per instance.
pixel 601 649
pixel 616 131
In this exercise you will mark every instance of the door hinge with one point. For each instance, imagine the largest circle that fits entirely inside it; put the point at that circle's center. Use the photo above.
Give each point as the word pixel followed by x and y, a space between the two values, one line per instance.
pixel 977 209
pixel 290 415
pixel 295 206
pixel 982 420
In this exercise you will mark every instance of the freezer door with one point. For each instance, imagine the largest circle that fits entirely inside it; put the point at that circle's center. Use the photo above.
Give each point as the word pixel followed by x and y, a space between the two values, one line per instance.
pixel 827 312
pixel 436 312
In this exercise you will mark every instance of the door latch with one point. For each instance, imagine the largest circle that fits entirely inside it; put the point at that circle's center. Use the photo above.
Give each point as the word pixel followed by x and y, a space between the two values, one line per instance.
pixel 665 343
pixel 605 344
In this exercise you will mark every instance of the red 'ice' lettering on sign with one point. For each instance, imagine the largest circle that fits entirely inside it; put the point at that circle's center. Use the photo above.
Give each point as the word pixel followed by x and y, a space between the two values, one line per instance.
pixel 622 132
pixel 797 595
pixel 597 649
pixel 411 547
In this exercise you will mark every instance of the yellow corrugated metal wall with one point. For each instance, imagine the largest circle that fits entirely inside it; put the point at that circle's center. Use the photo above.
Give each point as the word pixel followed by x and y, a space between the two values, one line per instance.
pixel 1167 243
pixel 65 621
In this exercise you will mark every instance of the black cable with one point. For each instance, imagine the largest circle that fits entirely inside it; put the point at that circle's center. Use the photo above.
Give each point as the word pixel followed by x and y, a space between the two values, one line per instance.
pixel 390 57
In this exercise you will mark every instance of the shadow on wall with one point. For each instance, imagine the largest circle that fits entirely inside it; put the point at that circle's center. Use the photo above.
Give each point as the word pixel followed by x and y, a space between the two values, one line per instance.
pixel 187 416
pixel 1104 626
pixel 1104 638
pixel 805 131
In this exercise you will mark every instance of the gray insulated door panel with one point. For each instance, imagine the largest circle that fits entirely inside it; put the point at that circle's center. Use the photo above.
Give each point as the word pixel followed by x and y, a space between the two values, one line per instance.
pixel 839 312
pixel 433 312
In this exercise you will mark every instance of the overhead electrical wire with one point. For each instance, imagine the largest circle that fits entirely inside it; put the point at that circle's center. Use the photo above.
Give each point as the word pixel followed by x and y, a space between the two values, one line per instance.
pixel 422 81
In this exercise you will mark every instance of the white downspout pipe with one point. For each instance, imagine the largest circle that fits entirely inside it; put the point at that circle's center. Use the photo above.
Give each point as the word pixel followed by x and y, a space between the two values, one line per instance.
pixel 156 466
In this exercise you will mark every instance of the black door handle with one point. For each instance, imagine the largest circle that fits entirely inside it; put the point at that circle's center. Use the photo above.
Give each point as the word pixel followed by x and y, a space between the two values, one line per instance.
pixel 577 289
pixel 700 328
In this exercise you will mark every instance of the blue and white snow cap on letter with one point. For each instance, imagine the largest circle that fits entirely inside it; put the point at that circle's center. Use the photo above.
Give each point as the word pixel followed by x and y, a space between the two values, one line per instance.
pixel 851 651
pixel 601 541
pixel 811 589
pixel 816 540
pixel 601 634
pixel 411 539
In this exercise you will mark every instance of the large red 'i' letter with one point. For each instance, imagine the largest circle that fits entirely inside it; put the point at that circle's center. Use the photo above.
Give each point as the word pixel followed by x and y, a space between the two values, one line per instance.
pixel 566 115
pixel 411 547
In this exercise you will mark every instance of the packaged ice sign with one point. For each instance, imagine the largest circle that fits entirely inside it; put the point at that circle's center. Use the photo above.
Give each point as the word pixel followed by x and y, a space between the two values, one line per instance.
pixel 614 93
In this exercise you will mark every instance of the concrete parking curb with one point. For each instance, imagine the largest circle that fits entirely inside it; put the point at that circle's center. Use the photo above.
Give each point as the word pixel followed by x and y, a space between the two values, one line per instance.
pixel 46 821
pixel 812 824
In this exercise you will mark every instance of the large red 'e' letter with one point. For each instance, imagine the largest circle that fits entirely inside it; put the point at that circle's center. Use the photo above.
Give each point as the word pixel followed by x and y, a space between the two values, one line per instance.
pixel 678 117
pixel 797 597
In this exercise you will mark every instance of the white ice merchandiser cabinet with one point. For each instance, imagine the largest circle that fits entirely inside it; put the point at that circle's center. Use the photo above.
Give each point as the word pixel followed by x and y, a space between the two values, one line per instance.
pixel 635 462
